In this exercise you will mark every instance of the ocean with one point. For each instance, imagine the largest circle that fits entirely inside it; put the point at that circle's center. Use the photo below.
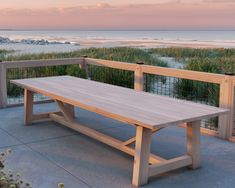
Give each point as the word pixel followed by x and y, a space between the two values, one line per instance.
pixel 23 41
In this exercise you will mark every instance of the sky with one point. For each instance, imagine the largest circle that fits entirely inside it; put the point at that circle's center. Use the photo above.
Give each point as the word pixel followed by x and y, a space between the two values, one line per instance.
pixel 117 14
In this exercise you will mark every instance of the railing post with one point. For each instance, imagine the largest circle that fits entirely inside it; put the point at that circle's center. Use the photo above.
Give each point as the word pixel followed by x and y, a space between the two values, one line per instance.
pixel 139 77
pixel 226 101
pixel 83 66
pixel 3 86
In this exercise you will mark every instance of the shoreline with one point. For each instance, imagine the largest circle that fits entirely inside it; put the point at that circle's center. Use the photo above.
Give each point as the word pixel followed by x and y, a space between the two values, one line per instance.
pixel 20 48
pixel 55 45
pixel 25 42
pixel 40 41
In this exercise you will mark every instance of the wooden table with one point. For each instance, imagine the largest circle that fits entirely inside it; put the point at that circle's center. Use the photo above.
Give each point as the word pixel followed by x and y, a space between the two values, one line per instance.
pixel 149 113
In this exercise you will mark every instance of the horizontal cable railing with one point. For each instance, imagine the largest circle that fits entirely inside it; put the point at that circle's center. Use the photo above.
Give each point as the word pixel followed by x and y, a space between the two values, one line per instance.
pixel 206 88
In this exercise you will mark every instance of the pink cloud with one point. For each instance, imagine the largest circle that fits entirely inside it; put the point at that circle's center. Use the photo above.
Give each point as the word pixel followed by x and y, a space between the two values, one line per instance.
pixel 169 15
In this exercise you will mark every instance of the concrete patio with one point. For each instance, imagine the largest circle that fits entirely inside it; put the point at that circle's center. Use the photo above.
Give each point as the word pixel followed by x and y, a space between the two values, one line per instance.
pixel 47 153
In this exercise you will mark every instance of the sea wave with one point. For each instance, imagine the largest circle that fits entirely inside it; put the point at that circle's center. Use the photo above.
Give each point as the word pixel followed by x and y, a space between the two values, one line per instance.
pixel 5 40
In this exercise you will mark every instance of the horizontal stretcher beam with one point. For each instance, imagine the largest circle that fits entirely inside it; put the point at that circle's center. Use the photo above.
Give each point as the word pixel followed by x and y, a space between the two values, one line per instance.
pixel 169 165
pixel 101 137
pixel 43 116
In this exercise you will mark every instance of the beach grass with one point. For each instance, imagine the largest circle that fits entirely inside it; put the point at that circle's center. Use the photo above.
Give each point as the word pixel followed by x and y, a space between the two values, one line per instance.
pixel 4 52
pixel 183 53
pixel 102 74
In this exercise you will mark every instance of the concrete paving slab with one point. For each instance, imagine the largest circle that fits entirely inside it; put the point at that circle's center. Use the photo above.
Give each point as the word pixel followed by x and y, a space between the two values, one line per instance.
pixel 36 131
pixel 39 171
pixel 103 166
pixel 95 163
pixel 6 140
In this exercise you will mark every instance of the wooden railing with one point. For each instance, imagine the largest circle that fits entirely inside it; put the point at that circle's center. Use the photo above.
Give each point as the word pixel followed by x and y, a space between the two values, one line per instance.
pixel 226 82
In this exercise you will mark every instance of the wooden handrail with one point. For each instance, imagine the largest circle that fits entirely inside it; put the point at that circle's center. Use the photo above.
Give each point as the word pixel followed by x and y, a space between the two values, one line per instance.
pixel 41 63
pixel 111 64
pixel 148 69
pixel 184 74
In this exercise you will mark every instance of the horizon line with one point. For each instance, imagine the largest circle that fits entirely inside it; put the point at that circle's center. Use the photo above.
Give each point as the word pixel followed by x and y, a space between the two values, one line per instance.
pixel 118 29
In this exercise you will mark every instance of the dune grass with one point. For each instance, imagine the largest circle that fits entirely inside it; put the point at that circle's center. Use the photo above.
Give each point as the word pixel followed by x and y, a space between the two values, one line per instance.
pixel 131 55
pixel 102 74
pixel 182 53
pixel 220 61
pixel 3 53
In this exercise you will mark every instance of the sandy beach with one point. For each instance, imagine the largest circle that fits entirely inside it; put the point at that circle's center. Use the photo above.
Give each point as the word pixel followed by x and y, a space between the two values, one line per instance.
pixel 65 41
pixel 29 48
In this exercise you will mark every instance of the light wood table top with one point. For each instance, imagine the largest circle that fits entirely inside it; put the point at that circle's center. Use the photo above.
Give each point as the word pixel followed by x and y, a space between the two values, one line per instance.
pixel 127 105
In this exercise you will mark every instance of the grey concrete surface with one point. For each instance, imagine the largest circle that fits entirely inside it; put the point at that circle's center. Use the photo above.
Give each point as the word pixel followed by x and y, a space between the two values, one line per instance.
pixel 47 153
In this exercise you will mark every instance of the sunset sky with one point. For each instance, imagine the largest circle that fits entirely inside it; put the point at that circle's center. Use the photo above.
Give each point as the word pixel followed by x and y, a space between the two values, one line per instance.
pixel 117 14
